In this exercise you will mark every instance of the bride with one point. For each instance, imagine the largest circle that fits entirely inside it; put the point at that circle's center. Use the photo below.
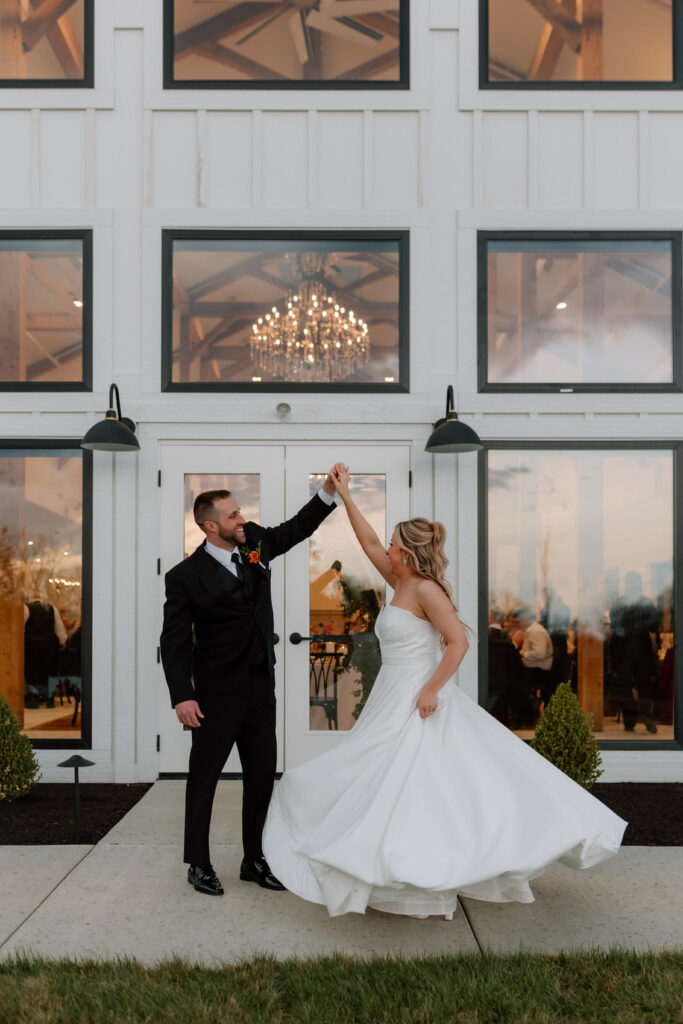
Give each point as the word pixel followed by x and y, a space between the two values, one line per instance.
pixel 428 797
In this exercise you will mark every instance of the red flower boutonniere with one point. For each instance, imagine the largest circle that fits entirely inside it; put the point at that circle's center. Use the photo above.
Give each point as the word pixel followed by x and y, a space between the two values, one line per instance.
pixel 253 555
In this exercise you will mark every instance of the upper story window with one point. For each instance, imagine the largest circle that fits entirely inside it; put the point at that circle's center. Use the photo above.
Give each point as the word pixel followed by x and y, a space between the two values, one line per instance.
pixel 285 311
pixel 575 44
pixel 46 43
pixel 45 310
pixel 579 311
pixel 286 44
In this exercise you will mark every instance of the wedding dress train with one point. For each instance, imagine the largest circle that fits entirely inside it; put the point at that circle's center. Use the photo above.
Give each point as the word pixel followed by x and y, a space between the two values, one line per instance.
pixel 405 814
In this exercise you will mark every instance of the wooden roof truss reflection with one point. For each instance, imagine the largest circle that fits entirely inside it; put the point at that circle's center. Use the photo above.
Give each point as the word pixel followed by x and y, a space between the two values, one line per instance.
pixel 577 24
pixel 46 18
pixel 305 23
pixel 222 356
pixel 533 323
pixel 21 320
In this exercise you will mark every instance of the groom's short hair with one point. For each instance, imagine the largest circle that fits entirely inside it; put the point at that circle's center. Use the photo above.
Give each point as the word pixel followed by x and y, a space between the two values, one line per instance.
pixel 203 505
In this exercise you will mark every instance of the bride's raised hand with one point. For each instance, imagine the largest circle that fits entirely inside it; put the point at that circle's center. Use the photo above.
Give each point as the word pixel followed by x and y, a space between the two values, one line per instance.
pixel 341 477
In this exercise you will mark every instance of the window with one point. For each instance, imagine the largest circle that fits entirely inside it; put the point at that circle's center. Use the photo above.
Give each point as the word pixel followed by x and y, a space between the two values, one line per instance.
pixel 45 310
pixel 579 44
pixel 286 44
pixel 580 571
pixel 45 498
pixel 282 311
pixel 579 311
pixel 46 43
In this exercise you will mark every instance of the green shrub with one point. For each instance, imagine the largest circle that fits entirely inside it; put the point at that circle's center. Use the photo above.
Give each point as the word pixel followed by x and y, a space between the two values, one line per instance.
pixel 19 769
pixel 565 738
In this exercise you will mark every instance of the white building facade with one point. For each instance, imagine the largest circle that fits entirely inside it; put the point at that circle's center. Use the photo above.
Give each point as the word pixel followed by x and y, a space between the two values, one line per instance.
pixel 570 513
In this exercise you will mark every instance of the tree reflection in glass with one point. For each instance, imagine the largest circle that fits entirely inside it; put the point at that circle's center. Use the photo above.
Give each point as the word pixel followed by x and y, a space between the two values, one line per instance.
pixel 581 587
pixel 346 593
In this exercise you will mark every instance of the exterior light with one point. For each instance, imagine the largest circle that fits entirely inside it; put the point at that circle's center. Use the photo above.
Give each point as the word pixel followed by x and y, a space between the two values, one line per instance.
pixel 115 433
pixel 76 762
pixel 450 435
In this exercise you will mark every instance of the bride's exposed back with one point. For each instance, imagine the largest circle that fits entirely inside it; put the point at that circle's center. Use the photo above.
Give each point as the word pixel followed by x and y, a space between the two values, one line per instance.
pixel 428 796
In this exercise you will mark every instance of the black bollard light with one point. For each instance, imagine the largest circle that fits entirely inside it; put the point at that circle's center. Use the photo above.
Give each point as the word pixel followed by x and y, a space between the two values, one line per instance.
pixel 76 762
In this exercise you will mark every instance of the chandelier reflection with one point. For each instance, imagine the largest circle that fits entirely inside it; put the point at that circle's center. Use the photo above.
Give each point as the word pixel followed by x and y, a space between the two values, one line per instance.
pixel 311 336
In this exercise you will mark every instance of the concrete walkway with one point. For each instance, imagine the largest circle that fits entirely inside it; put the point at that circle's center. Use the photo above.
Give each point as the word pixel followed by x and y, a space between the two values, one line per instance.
pixel 128 896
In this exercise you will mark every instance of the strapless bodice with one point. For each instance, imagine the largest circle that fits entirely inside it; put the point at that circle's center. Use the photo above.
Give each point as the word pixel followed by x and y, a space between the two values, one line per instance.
pixel 405 638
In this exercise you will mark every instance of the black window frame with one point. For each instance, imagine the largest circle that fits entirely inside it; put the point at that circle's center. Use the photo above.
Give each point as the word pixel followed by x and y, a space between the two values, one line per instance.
pixel 88 80
pixel 668 387
pixel 311 85
pixel 70 444
pixel 676 447
pixel 676 82
pixel 401 386
pixel 85 236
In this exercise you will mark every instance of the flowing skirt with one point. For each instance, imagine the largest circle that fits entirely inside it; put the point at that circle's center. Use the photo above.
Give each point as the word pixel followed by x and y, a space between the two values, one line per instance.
pixel 405 814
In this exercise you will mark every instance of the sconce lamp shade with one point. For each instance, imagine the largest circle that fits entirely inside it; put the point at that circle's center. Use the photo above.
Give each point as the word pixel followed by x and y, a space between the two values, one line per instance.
pixel 450 435
pixel 115 433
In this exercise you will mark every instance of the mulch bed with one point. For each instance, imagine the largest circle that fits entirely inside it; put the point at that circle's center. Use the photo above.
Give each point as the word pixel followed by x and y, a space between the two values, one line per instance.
pixel 654 811
pixel 45 816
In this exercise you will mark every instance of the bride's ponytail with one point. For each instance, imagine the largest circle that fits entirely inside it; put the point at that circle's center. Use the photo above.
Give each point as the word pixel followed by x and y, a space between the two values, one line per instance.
pixel 423 543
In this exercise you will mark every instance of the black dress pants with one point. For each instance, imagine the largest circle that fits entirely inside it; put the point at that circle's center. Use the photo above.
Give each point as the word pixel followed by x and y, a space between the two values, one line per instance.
pixel 245 717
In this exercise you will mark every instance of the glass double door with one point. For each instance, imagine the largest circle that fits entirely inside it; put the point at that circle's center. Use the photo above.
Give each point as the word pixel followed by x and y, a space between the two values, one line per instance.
pixel 326 594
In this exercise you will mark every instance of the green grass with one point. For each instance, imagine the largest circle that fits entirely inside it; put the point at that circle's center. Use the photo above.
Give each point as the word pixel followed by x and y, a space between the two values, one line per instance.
pixel 619 987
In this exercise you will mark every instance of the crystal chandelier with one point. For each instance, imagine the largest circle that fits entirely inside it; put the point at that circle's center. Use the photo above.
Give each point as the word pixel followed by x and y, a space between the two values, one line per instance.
pixel 311 336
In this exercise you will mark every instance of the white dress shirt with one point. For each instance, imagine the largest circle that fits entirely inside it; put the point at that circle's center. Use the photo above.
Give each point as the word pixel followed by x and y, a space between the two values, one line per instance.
pixel 224 556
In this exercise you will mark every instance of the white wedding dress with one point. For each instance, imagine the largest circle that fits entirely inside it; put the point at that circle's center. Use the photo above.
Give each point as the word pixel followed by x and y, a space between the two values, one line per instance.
pixel 406 813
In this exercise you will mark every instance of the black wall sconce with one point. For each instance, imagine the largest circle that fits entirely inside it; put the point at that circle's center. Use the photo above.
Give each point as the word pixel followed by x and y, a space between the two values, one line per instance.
pixel 450 435
pixel 115 433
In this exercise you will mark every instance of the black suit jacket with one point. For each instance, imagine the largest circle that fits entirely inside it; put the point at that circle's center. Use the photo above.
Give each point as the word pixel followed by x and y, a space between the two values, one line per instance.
pixel 212 624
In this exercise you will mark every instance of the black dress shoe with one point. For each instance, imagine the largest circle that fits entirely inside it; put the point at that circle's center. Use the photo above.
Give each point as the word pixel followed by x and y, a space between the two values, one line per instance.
pixel 255 869
pixel 204 881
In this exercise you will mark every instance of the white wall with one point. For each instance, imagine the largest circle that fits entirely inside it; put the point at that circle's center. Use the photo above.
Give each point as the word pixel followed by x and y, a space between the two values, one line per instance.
pixel 442 159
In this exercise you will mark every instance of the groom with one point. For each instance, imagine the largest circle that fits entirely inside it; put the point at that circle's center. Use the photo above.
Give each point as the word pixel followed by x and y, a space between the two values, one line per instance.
pixel 218 658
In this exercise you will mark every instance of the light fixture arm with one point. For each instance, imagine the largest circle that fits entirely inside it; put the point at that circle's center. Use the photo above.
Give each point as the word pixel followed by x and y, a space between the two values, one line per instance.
pixel 450 402
pixel 114 390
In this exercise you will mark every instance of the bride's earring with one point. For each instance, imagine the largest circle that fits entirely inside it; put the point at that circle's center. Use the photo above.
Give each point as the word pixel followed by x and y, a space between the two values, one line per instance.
pixel 405 559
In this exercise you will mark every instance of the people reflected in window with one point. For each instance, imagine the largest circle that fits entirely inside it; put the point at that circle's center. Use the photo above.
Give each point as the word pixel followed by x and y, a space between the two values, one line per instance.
pixel 555 617
pixel 632 656
pixel 44 636
pixel 536 649
pixel 509 695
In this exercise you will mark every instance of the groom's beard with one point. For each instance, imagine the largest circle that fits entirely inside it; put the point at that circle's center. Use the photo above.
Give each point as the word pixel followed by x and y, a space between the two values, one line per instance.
pixel 235 537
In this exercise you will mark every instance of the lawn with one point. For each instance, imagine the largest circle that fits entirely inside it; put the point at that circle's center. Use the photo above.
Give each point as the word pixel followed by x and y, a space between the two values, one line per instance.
pixel 619 987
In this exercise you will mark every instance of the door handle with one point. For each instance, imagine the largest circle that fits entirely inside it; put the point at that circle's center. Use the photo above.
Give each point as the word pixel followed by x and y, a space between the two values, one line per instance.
pixel 338 638
pixel 276 639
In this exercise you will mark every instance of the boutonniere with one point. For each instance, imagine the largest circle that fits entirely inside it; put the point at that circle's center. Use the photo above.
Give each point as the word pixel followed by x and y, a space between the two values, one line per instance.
pixel 252 555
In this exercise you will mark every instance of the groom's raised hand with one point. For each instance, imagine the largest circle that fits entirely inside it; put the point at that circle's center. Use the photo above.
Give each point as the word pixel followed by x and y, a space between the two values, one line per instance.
pixel 188 713
pixel 328 486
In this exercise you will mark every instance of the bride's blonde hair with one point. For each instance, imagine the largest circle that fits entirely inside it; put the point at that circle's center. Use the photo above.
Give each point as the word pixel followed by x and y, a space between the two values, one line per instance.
pixel 423 543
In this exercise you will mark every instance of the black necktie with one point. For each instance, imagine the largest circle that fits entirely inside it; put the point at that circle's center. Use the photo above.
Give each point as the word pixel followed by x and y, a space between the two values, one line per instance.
pixel 239 566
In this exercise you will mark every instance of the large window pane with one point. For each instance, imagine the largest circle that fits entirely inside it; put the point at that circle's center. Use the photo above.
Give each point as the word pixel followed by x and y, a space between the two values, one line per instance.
pixel 44 311
pixel 580 41
pixel 262 42
pixel 580 554
pixel 266 312
pixel 41 591
pixel 580 312
pixel 346 593
pixel 46 43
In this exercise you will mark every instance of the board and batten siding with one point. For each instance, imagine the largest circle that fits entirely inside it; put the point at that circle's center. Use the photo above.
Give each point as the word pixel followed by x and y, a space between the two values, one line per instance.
pixel 442 159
